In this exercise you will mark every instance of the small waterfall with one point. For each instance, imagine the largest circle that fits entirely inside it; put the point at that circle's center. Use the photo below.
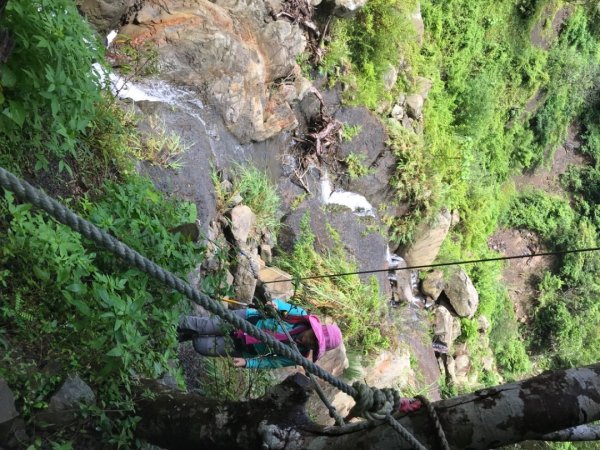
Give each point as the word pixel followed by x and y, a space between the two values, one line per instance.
pixel 356 202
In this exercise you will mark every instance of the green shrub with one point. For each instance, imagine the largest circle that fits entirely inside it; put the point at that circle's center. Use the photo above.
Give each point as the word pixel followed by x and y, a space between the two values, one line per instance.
pixel 546 214
pixel 260 195
pixel 94 314
pixel 354 305
pixel 365 47
pixel 48 90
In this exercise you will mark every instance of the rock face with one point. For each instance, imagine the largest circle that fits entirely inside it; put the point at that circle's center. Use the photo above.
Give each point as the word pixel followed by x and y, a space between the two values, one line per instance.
pixel 7 403
pixel 427 242
pixel 462 294
pixel 433 284
pixel 447 327
pixel 104 15
pixel 232 51
pixel 366 246
pixel 369 144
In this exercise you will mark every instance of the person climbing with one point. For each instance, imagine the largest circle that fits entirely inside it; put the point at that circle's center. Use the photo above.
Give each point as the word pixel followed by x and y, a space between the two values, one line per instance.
pixel 211 336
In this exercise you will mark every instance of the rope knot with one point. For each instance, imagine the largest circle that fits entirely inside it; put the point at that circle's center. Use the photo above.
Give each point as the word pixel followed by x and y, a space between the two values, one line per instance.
pixel 373 403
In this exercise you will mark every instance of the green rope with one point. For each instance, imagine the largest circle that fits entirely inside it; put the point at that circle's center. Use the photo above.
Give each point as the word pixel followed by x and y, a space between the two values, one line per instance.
pixel 371 403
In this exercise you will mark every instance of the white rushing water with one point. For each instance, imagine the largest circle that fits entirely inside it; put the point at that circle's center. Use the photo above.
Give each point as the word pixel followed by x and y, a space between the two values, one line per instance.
pixel 356 202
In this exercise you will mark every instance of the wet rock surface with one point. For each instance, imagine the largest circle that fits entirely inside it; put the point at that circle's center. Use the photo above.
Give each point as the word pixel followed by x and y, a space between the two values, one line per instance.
pixel 356 234
pixel 232 52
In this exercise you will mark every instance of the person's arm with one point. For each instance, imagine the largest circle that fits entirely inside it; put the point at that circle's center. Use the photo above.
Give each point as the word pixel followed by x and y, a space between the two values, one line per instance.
pixel 267 362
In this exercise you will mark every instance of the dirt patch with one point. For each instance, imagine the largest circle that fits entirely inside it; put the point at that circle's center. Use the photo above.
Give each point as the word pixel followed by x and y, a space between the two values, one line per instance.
pixel 521 276
pixel 548 27
pixel 548 178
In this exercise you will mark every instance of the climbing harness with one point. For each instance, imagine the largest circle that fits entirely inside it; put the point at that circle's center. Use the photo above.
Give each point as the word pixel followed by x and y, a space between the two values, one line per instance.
pixel 373 404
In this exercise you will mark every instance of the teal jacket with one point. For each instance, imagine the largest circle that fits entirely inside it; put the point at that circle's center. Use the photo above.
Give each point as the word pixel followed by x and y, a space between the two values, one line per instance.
pixel 267 359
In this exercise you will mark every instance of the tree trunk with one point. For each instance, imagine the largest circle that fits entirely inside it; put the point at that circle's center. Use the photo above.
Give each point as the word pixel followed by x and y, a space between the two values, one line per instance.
pixel 528 410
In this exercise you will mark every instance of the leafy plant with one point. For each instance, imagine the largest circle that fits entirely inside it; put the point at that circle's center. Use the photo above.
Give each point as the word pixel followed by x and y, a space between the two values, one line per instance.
pixel 46 97
pixel 355 167
pixel 349 132
pixel 160 147
pixel 123 319
pixel 355 306
pixel 260 195
pixel 136 60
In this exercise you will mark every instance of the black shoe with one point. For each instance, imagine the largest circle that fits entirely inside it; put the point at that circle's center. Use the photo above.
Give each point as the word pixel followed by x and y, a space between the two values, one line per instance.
pixel 185 335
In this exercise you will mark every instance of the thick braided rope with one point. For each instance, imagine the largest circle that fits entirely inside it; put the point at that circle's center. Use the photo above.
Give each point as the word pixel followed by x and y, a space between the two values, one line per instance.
pixel 378 399
pixel 384 402
pixel 436 422
pixel 61 213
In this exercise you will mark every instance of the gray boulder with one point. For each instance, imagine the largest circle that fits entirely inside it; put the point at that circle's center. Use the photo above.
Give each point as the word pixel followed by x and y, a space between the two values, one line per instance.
pixel 433 284
pixel 461 293
pixel 64 404
pixel 7 403
pixel 447 327
pixel 243 221
pixel 427 241
pixel 245 278
pixel 104 15
pixel 414 106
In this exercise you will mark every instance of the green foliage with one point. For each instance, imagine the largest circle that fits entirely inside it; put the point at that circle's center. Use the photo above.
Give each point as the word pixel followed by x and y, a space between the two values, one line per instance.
pixel 527 8
pixel 137 60
pixel 349 132
pixel 260 195
pixel 355 167
pixel 546 214
pixel 221 381
pixel 364 48
pixel 414 182
pixel 158 146
pixel 48 90
pixel 96 315
pixel 354 305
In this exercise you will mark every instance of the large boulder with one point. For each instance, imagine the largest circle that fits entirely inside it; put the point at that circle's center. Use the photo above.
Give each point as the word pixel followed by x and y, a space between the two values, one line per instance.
pixel 243 221
pixel 433 284
pixel 65 402
pixel 402 282
pixel 428 239
pixel 461 293
pixel 7 403
pixel 104 15
pixel 277 282
pixel 12 427
pixel 233 52
pixel 447 327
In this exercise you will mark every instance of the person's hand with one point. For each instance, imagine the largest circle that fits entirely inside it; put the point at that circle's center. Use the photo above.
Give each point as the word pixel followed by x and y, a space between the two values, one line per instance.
pixel 239 362
pixel 273 305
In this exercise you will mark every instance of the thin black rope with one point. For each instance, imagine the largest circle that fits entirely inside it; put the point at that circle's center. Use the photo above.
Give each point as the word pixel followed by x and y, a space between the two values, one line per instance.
pixel 427 266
